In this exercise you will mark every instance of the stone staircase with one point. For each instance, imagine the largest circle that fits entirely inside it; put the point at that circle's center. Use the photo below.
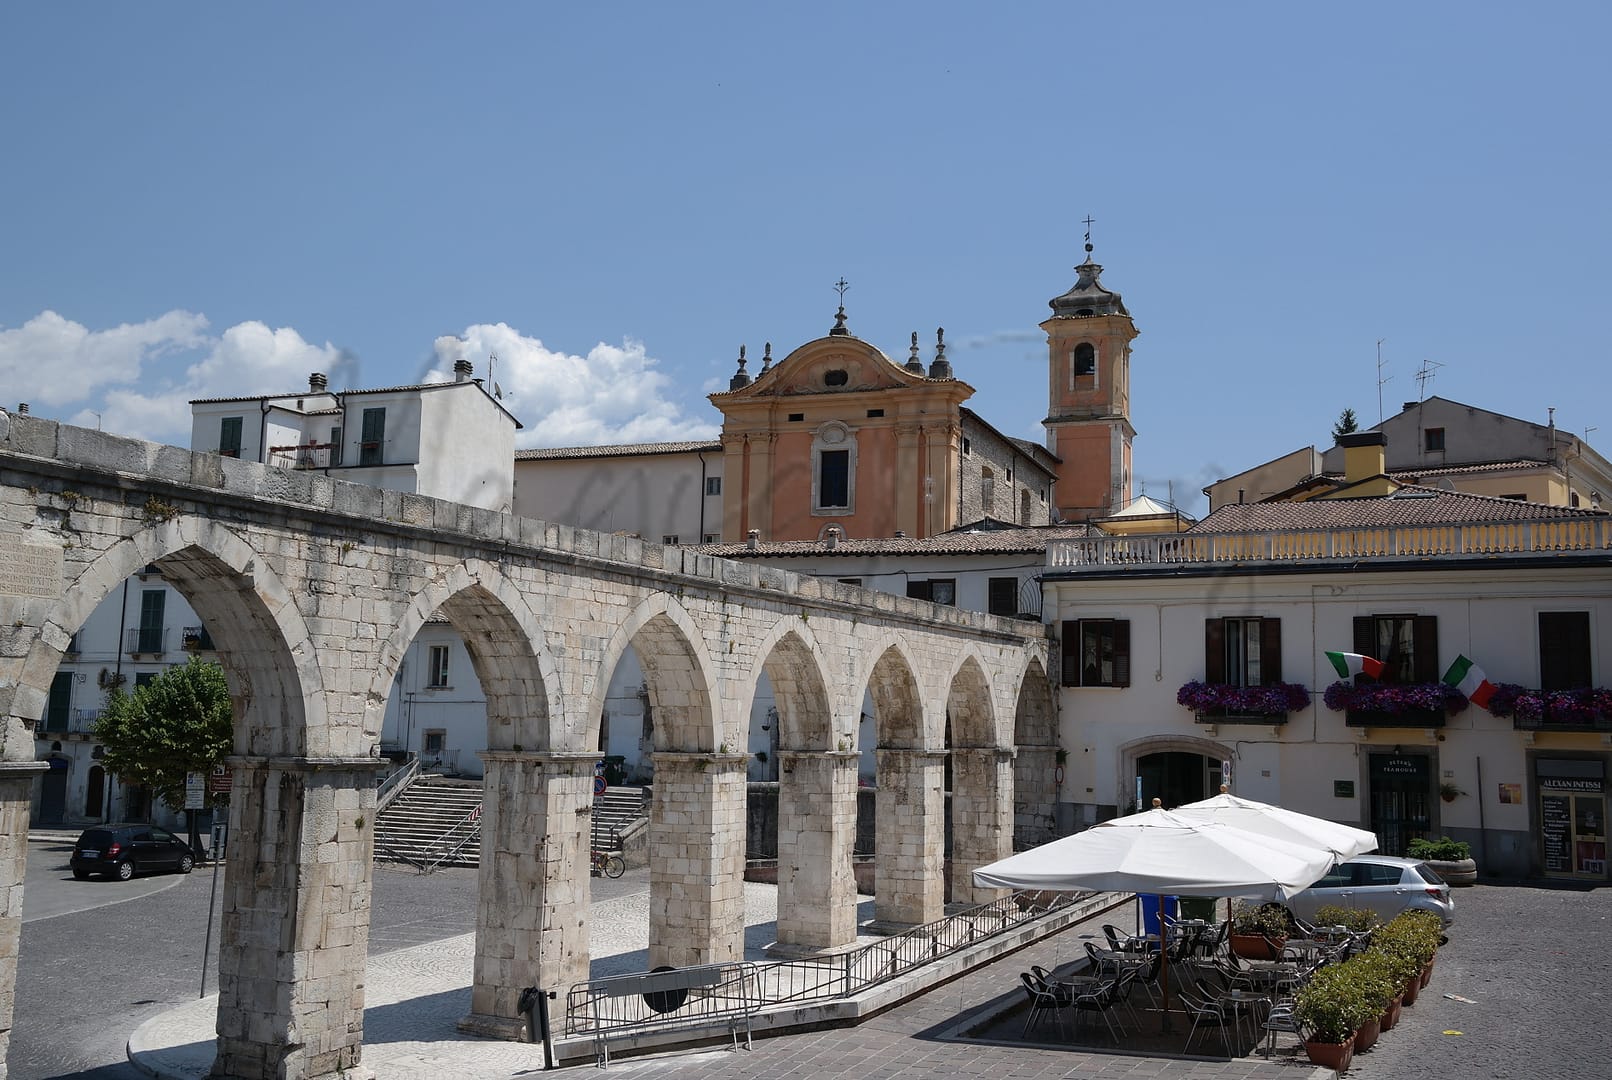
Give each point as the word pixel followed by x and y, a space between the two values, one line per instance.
pixel 613 813
pixel 425 822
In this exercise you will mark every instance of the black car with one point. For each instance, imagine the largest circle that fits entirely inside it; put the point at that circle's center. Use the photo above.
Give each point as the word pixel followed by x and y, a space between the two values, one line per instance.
pixel 121 851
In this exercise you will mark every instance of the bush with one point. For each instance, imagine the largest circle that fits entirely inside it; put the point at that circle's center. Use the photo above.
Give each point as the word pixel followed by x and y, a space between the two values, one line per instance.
pixel 1356 920
pixel 1268 920
pixel 1335 1003
pixel 1443 849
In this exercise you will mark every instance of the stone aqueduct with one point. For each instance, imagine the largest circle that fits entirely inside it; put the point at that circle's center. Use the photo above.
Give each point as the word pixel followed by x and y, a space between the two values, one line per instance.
pixel 313 588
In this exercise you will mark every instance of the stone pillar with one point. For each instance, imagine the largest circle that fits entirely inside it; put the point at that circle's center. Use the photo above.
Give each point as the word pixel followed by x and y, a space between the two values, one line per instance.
pixel 16 790
pixel 909 480
pixel 533 881
pixel 295 935
pixel 982 817
pixel 1035 791
pixel 816 831
pixel 909 868
pixel 759 484
pixel 696 868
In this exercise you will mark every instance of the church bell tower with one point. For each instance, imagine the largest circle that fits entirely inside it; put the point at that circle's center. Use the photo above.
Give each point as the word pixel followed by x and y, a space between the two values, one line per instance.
pixel 1088 396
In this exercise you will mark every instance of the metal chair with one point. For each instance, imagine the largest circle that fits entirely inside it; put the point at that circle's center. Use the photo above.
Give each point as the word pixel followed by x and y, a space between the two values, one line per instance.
pixel 1043 1001
pixel 1280 1018
pixel 1099 1001
pixel 1203 1011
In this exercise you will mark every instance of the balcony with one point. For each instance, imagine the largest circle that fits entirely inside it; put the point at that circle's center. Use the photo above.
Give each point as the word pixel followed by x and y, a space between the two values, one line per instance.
pixel 1400 718
pixel 1431 543
pixel 1222 703
pixel 195 639
pixel 1585 709
pixel 309 455
pixel 146 641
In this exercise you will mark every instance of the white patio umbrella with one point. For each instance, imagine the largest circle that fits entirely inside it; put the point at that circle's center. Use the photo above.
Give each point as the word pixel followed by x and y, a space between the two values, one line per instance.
pixel 1344 841
pixel 1161 852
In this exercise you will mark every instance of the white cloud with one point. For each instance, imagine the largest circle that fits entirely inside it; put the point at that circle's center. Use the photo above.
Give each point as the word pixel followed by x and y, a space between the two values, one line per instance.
pixel 55 361
pixel 612 395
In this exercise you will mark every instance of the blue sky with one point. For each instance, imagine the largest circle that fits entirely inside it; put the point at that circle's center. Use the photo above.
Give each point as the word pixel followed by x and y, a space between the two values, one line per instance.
pixel 215 199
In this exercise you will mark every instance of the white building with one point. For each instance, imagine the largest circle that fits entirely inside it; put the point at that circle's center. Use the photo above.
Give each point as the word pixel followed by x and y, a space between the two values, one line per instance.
pixel 448 440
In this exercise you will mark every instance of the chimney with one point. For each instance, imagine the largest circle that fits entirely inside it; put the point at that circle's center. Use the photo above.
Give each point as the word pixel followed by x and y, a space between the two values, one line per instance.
pixel 462 370
pixel 1409 405
pixel 317 383
pixel 1363 455
pixel 752 539
pixel 832 537
pixel 901 534
pixel 22 408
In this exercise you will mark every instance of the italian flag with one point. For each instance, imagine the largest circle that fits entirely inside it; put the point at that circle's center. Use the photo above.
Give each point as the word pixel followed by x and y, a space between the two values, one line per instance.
pixel 1468 678
pixel 1350 664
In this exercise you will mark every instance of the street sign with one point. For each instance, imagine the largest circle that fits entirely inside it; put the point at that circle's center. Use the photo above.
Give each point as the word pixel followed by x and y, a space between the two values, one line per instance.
pixel 222 779
pixel 195 791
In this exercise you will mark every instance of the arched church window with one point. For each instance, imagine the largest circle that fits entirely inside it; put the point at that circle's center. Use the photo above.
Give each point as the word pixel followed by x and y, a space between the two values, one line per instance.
pixel 836 377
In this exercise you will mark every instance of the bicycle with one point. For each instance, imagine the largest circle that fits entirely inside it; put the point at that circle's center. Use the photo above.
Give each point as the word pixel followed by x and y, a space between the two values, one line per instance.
pixel 611 866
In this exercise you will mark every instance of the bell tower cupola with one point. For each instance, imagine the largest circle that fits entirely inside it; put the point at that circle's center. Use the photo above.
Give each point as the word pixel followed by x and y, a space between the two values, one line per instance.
pixel 1088 395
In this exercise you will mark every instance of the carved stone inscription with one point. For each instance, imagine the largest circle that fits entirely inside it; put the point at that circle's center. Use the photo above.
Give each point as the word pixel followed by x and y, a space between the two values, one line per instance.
pixel 29 569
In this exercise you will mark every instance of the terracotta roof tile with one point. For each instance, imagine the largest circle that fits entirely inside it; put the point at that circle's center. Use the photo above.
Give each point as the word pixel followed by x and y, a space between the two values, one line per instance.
pixel 1411 505
pixel 622 450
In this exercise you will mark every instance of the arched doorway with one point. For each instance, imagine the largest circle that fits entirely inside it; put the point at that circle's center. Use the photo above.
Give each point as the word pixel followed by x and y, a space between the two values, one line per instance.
pixel 53 793
pixel 94 791
pixel 1173 769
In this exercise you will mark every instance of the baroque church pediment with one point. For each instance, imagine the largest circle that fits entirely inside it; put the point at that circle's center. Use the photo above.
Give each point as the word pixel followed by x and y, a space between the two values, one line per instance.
pixel 830 365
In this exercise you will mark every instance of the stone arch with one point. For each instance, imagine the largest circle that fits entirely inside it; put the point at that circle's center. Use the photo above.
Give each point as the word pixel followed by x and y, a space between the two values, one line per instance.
pixel 892 681
pixel 262 641
pixel 1034 721
pixel 969 708
pixel 1035 764
pixel 789 655
pixel 518 674
pixel 1130 753
pixel 677 671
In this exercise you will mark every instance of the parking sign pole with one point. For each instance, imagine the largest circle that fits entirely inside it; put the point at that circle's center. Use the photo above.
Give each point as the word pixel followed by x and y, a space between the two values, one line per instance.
pixel 219 833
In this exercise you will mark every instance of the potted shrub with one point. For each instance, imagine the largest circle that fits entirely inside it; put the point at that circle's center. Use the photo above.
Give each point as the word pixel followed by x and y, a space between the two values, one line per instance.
pixel 1255 928
pixel 1354 920
pixel 1381 983
pixel 1449 859
pixel 1330 1008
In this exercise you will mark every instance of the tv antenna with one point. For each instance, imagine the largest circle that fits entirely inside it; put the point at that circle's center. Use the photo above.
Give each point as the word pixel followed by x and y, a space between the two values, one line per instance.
pixel 1380 379
pixel 1424 375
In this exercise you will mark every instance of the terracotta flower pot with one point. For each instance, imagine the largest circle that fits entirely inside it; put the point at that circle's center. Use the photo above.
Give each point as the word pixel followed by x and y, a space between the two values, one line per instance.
pixel 1331 1055
pixel 1366 1037
pixel 1412 989
pixel 1253 946
pixel 1427 973
pixel 1390 1015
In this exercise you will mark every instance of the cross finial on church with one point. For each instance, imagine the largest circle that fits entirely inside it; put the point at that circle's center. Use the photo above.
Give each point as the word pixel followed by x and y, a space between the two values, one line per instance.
pixel 840 286
pixel 1088 221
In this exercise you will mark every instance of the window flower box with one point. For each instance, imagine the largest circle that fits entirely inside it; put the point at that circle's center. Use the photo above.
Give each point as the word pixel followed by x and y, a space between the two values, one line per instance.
pixel 1584 709
pixel 1220 703
pixel 1376 704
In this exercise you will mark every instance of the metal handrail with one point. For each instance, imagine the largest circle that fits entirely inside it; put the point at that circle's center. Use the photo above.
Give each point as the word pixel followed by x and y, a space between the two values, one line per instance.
pixel 397 783
pixel 471 824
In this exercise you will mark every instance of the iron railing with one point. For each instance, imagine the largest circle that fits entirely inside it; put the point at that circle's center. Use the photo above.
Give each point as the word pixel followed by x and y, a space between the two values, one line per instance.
pixel 394 785
pixel 465 831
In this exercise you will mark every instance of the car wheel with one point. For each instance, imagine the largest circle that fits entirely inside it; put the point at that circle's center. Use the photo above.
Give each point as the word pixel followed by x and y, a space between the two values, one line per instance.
pixel 186 863
pixel 124 870
pixel 80 874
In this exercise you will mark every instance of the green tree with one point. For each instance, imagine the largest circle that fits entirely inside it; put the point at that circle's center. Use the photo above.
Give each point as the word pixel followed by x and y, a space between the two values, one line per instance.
pixel 1346 425
pixel 180 722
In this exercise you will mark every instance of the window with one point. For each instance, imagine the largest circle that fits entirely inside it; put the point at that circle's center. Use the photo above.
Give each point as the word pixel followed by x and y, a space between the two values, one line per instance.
pixel 987 489
pixel 1433 440
pixel 1406 644
pixel 1002 596
pixel 335 445
pixel 1518 496
pixel 850 581
pixel 59 705
pixel 153 607
pixel 229 436
pixel 967 447
pixel 432 744
pixel 436 668
pixel 710 538
pixel 833 470
pixel 1084 361
pixel 1097 652
pixel 935 590
pixel 372 440
pixel 144 678
pixel 1564 650
pixel 713 485
pixel 670 538
pixel 836 377
pixel 796 417
pixel 1242 652
pixel 874 414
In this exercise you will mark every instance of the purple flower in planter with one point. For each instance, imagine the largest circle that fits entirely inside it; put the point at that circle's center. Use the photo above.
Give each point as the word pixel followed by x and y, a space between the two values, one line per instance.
pixel 1394 698
pixel 1273 700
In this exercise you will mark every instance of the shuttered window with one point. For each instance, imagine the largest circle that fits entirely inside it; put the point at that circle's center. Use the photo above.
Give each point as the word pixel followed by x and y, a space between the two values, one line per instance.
pixel 1242 652
pixel 1406 644
pixel 1097 652
pixel 1564 650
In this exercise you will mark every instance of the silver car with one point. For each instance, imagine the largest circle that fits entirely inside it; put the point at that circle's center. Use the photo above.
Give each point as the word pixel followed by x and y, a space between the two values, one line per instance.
pixel 1386 884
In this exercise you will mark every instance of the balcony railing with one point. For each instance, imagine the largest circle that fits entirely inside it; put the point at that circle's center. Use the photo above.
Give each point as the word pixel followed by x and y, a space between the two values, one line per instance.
pixel 142 639
pixel 1524 538
pixel 196 639
pixel 1405 718
pixel 1230 716
pixel 309 455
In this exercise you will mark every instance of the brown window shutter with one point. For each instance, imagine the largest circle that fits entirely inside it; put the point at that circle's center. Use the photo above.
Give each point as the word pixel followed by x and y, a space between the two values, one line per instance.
pixel 1214 650
pixel 1426 646
pixel 1071 653
pixel 1270 651
pixel 1122 652
pixel 1564 650
pixel 1366 636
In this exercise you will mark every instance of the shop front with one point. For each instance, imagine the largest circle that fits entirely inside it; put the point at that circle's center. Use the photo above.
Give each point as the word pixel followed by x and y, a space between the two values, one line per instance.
pixel 1572 817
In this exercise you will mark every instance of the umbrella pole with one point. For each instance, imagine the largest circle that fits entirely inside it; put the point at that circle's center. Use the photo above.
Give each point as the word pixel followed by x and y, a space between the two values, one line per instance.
pixel 1164 969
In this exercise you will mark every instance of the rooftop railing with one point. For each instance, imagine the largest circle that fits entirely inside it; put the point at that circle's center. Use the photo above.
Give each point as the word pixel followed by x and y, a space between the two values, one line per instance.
pixel 1465 540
